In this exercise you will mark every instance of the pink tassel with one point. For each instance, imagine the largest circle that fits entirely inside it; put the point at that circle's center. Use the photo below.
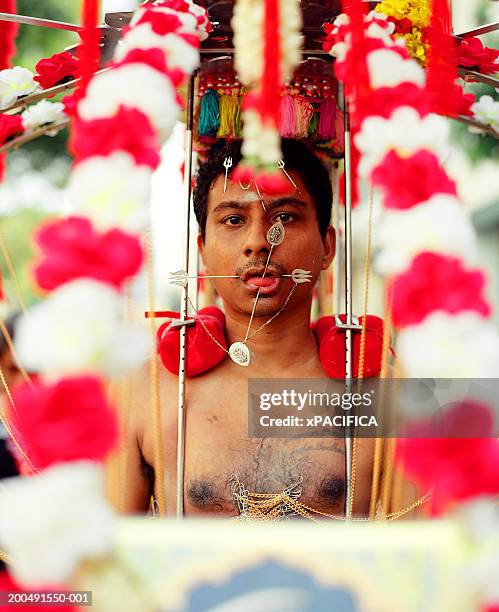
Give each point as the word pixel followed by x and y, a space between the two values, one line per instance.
pixel 304 111
pixel 326 130
pixel 288 117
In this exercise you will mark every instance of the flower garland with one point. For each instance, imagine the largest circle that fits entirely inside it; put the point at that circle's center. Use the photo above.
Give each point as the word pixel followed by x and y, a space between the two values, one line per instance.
pixel 77 335
pixel 426 246
pixel 267 60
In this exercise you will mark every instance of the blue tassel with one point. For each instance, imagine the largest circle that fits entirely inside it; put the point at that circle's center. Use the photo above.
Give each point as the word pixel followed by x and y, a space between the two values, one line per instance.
pixel 209 115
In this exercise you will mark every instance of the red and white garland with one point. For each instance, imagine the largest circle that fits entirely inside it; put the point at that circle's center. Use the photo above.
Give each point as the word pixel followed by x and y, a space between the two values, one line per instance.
pixel 267 59
pixel 78 335
pixel 426 245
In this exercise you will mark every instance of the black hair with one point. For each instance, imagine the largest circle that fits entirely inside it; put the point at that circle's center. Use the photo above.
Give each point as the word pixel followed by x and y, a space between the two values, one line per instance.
pixel 296 155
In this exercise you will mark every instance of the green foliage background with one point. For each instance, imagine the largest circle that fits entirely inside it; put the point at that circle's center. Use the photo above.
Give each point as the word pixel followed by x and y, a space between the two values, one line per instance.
pixel 33 44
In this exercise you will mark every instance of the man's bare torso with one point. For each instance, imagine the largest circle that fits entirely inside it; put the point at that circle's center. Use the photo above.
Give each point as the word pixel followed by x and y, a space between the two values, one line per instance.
pixel 218 448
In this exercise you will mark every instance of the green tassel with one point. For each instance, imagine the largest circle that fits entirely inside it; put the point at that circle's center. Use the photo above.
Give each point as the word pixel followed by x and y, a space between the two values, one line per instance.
pixel 313 125
pixel 209 116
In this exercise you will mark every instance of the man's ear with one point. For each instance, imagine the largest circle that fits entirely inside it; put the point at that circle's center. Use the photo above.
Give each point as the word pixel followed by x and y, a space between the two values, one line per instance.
pixel 329 247
pixel 201 248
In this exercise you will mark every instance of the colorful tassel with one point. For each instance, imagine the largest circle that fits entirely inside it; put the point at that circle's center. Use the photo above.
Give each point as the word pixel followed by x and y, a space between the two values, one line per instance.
pixel 228 109
pixel 313 125
pixel 209 116
pixel 287 117
pixel 327 129
pixel 237 119
pixel 304 112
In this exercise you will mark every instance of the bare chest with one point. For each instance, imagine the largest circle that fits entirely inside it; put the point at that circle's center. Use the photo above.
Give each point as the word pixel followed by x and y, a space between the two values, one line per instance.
pixel 222 462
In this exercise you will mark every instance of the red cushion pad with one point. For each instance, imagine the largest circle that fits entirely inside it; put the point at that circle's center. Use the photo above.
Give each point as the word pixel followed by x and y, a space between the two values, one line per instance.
pixel 332 346
pixel 202 352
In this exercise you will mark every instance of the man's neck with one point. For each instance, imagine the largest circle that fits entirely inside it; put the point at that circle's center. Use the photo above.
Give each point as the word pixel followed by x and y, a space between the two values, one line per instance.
pixel 284 344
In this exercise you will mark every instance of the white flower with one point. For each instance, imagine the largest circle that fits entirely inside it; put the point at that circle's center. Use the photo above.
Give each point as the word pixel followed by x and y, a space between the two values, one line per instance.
pixel 440 225
pixel 14 83
pixel 78 328
pixel 486 111
pixel 49 524
pixel 42 113
pixel 388 69
pixel 247 25
pixel 113 191
pixel 260 141
pixel 464 345
pixel 405 132
pixel 178 53
pixel 199 11
pixel 134 85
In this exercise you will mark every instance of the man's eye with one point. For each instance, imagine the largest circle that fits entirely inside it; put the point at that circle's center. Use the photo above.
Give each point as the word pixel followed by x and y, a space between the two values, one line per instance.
pixel 232 220
pixel 284 217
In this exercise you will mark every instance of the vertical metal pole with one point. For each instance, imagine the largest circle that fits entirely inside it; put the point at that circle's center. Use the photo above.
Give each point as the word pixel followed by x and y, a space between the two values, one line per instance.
pixel 184 303
pixel 348 303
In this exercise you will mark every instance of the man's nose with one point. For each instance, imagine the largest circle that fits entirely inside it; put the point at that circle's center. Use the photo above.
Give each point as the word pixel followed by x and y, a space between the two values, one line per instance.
pixel 256 239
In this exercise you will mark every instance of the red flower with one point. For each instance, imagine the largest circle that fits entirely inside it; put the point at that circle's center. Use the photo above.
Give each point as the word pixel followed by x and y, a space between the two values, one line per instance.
pixel 456 103
pixel 407 181
pixel 10 125
pixel 243 173
pixel 56 69
pixel 273 183
pixel 155 58
pixel 177 5
pixel 161 23
pixel 129 130
pixel 72 248
pixel 456 457
pixel 71 102
pixel 436 282
pixel 8 584
pixel 473 55
pixel 385 100
pixel 70 420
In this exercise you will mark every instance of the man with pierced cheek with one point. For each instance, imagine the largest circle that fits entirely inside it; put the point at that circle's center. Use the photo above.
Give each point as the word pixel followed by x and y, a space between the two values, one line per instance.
pixel 269 314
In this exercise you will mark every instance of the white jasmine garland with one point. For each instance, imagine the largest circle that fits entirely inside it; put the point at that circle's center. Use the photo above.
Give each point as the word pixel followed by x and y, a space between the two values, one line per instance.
pixel 405 131
pixel 388 69
pixel 463 345
pixel 50 523
pixel 14 83
pixel 178 53
pixel 247 24
pixel 291 37
pixel 486 111
pixel 260 142
pixel 135 85
pixel 79 329
pixel 112 191
pixel 439 225
pixel 43 113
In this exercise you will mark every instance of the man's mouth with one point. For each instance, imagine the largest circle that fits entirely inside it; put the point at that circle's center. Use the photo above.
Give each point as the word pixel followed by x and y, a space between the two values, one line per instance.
pixel 255 280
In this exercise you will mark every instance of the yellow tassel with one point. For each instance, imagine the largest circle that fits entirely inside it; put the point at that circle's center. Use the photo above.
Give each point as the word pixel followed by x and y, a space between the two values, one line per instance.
pixel 228 114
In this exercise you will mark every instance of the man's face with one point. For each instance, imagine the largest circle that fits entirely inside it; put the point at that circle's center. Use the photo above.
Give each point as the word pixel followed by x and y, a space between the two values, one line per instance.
pixel 236 244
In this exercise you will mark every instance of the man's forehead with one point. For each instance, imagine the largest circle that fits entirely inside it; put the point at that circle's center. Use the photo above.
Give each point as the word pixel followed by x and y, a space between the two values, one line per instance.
pixel 235 193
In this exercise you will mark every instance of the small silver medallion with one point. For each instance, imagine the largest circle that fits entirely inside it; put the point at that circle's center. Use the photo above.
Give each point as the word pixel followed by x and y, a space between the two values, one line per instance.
pixel 239 353
pixel 275 235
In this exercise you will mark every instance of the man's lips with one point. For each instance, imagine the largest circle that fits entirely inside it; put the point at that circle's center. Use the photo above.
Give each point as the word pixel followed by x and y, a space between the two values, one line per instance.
pixel 266 285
